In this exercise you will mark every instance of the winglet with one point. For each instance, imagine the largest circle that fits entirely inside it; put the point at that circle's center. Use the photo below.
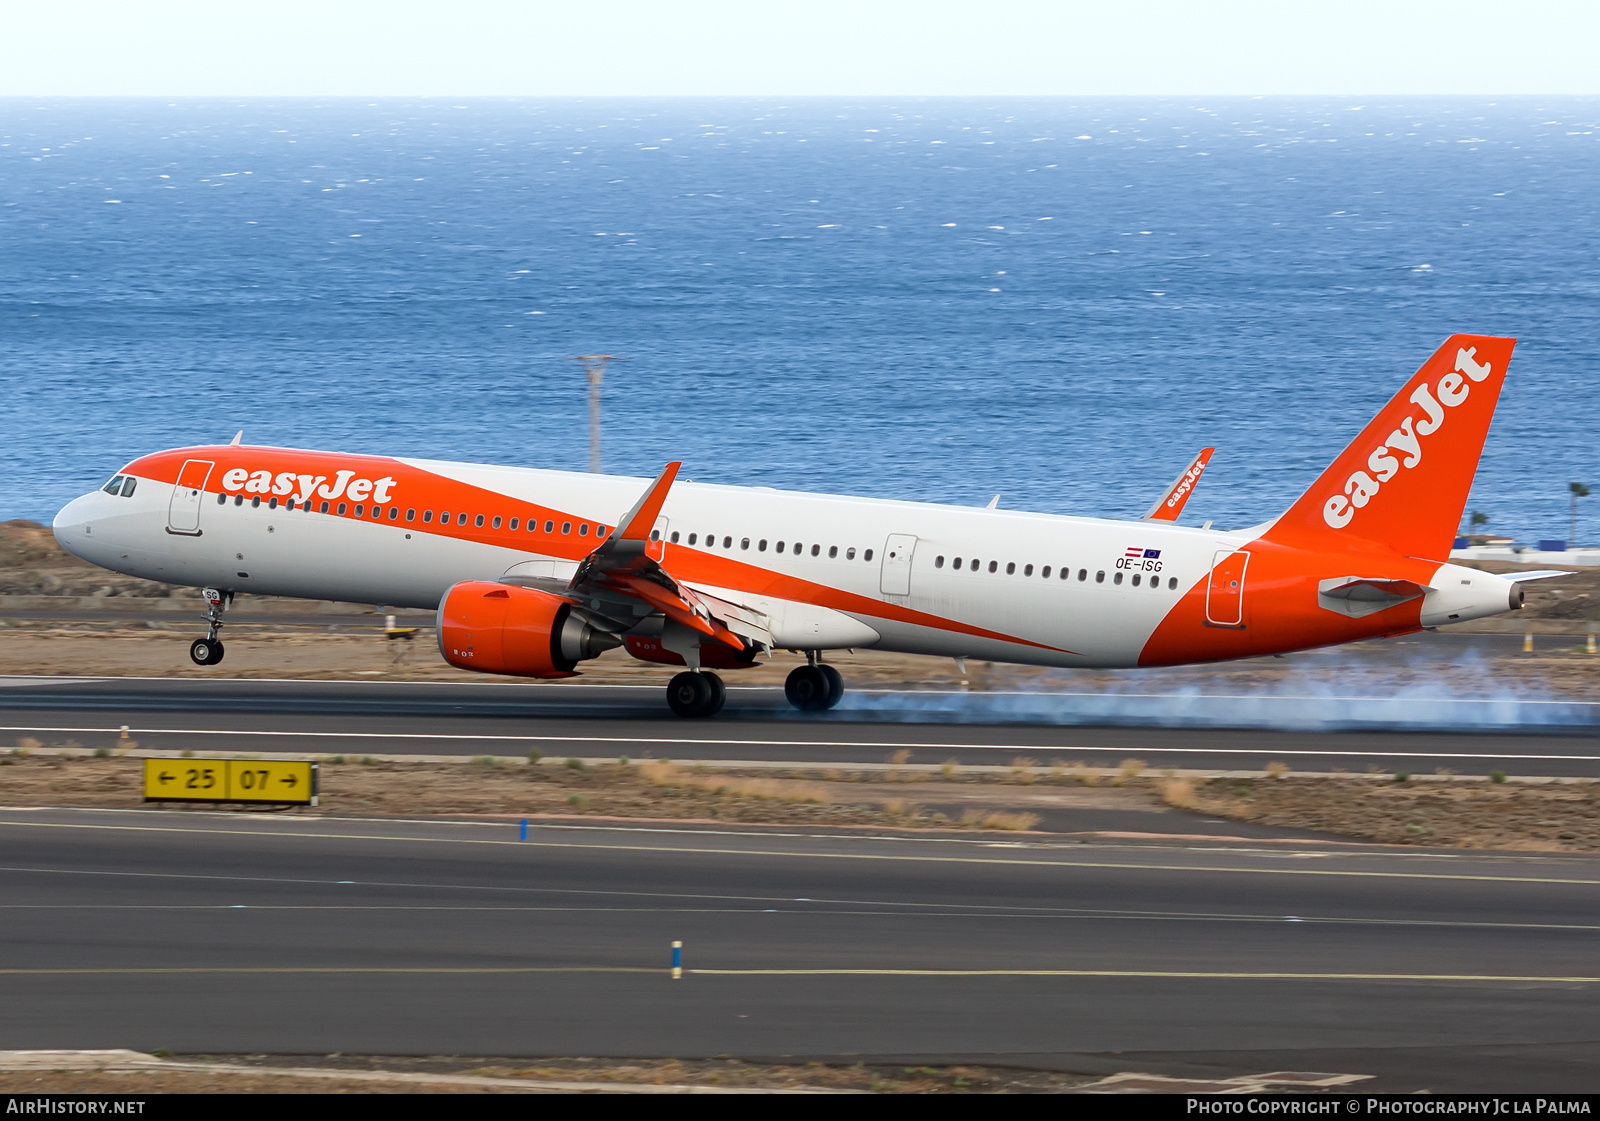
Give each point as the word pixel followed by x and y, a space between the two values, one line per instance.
pixel 637 523
pixel 1170 505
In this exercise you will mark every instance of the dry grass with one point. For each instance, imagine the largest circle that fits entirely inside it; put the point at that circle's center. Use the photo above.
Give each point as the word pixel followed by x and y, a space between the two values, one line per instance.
pixel 667 774
pixel 1277 770
pixel 993 819
pixel 1130 770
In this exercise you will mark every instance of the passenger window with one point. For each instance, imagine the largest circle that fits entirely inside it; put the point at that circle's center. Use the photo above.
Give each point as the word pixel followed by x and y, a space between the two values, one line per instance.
pixel 222 500
pixel 1044 572
pixel 974 564
pixel 727 542
pixel 495 524
pixel 444 517
pixel 511 525
pixel 692 537
pixel 461 519
pixel 1172 584
pixel 761 546
pixel 673 538
pixel 744 542
pixel 324 507
pixel 114 486
pixel 816 550
pixel 1117 579
pixel 1027 570
pixel 1083 574
pixel 255 503
pixel 361 510
pixel 341 507
pixel 938 562
pixel 273 505
pixel 477 522
pixel 550 527
pixel 599 531
pixel 994 565
pixel 797 548
pixel 583 530
pixel 1099 577
pixel 867 555
pixel 780 546
pixel 411 516
pixel 957 564
pixel 655 535
pixel 566 527
pixel 289 504
pixel 850 553
pixel 128 485
pixel 833 551
pixel 427 516
pixel 394 513
pixel 238 500
pixel 1011 568
pixel 1135 579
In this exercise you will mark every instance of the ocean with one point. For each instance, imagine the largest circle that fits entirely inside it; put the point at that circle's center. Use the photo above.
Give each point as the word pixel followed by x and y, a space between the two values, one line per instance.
pixel 1055 301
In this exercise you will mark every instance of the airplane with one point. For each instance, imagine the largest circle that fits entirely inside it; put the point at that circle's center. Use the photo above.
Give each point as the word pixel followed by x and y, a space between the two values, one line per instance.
pixel 533 572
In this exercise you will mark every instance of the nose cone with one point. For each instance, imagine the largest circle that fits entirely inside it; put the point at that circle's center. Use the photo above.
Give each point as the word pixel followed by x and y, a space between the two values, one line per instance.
pixel 73 526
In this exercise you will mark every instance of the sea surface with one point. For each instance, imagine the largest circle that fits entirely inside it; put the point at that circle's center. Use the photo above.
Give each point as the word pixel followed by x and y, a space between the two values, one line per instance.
pixel 1055 301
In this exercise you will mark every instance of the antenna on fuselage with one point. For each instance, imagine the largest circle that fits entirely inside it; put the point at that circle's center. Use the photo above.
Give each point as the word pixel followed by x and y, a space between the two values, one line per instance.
pixel 994 503
pixel 594 366
pixel 237 436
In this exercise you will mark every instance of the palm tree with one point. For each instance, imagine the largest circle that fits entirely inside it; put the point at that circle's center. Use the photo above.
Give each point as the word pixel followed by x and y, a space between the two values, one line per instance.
pixel 1578 491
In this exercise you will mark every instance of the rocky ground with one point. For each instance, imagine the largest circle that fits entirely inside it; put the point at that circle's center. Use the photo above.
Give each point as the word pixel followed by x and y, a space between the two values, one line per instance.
pixel 1435 811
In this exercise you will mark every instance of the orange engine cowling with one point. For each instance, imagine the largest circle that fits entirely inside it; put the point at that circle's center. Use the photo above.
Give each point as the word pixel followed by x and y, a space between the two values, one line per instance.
pixel 501 628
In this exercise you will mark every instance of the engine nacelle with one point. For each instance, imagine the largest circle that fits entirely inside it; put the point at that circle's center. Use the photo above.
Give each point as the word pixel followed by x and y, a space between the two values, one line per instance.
pixel 522 632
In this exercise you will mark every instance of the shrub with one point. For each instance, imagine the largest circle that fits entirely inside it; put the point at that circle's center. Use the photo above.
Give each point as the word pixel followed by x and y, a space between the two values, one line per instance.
pixel 575 764
pixel 535 755
pixel 1402 776
pixel 1497 776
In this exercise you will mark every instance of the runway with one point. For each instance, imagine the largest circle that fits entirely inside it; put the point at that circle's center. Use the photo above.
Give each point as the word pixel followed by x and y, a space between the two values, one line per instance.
pixel 224 933
pixel 594 721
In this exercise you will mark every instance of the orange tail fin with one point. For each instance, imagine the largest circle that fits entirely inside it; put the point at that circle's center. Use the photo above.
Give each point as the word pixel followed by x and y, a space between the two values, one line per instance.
pixel 1403 482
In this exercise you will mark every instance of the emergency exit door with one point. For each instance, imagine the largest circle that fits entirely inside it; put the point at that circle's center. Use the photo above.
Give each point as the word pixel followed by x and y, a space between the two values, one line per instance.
pixel 896 573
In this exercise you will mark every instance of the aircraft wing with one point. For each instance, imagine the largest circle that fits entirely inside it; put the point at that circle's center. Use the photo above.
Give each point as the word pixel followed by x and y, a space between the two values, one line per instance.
pixel 1170 505
pixel 625 570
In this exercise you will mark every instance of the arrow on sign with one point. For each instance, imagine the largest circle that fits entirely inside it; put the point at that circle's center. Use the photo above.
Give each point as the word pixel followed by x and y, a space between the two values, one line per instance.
pixel 289 780
pixel 163 778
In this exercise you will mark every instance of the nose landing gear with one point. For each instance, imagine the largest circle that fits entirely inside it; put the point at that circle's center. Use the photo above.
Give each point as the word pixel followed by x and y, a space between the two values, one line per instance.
pixel 815 686
pixel 208 651
pixel 696 695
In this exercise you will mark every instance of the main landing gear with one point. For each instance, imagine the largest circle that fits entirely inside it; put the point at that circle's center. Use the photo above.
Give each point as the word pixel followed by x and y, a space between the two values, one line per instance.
pixel 696 694
pixel 208 651
pixel 814 686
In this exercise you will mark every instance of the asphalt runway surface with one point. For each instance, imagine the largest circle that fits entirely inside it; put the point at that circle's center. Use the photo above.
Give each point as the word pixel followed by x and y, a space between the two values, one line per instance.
pixel 234 933
pixel 595 721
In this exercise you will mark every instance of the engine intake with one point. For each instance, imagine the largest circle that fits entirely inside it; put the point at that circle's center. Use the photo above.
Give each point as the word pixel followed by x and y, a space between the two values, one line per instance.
pixel 521 632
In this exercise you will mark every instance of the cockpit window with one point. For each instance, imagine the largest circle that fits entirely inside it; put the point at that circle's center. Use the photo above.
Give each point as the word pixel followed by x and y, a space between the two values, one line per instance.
pixel 127 487
pixel 114 486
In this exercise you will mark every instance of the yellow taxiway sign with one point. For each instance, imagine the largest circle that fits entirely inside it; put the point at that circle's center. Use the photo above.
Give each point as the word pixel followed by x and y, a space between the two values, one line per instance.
pixel 230 780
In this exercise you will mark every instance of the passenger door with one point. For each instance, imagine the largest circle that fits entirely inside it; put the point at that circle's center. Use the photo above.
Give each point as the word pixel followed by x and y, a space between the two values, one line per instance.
pixel 183 512
pixel 895 579
pixel 1225 590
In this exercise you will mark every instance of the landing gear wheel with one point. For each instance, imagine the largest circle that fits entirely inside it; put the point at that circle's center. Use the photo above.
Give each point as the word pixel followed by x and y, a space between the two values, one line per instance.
pixel 808 688
pixel 719 692
pixel 835 684
pixel 205 651
pixel 691 695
